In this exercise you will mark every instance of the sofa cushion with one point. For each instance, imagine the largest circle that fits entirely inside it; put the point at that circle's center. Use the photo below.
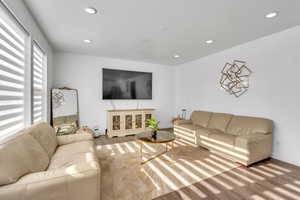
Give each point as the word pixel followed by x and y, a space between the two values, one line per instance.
pixel 222 138
pixel 61 161
pixel 45 135
pixel 64 153
pixel 19 156
pixel 201 118
pixel 73 148
pixel 241 125
pixel 219 121
pixel 203 132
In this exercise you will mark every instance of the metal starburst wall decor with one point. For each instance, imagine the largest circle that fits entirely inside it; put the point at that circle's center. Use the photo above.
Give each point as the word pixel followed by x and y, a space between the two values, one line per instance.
pixel 235 78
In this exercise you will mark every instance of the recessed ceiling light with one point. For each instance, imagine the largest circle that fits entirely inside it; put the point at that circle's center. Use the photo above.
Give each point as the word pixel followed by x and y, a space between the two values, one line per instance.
pixel 176 56
pixel 87 41
pixel 271 15
pixel 90 10
pixel 209 41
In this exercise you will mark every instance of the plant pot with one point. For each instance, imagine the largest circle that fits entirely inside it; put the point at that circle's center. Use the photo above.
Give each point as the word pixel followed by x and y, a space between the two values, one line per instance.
pixel 154 134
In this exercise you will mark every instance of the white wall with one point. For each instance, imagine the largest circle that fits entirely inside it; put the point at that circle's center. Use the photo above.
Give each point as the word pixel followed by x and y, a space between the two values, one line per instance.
pixel 85 74
pixel 274 87
pixel 20 11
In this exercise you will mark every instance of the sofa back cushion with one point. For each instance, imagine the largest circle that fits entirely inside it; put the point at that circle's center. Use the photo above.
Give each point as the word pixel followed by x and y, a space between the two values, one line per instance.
pixel 45 135
pixel 19 156
pixel 219 121
pixel 201 118
pixel 242 125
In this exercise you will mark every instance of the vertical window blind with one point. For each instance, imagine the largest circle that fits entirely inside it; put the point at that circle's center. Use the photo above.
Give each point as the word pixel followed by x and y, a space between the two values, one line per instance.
pixel 38 67
pixel 12 68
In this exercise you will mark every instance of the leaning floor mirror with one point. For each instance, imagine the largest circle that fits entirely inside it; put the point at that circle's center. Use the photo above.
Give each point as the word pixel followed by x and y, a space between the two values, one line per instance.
pixel 65 115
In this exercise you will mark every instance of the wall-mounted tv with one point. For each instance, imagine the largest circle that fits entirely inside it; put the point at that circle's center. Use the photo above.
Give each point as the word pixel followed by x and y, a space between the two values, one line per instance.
pixel 120 84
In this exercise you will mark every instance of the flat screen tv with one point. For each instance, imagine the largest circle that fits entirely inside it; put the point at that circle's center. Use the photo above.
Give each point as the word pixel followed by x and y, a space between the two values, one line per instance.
pixel 120 84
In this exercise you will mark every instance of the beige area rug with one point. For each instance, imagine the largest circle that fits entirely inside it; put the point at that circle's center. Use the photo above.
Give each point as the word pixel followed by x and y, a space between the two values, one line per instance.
pixel 124 178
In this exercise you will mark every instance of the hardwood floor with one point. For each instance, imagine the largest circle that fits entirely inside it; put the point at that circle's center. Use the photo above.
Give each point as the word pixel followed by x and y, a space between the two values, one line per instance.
pixel 103 140
pixel 269 179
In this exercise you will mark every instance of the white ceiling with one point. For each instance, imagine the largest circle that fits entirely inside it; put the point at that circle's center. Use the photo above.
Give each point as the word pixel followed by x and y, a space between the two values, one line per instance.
pixel 153 31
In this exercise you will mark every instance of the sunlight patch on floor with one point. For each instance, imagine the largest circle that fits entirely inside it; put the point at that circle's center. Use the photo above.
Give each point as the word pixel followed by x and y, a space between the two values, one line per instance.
pixel 257 197
pixel 292 187
pixel 262 172
pixel 207 174
pixel 231 172
pixel 287 193
pixel 272 195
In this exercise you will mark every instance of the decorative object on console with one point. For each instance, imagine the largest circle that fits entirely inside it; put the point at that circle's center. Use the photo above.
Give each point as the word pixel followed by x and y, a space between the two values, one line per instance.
pixel 235 78
pixel 153 125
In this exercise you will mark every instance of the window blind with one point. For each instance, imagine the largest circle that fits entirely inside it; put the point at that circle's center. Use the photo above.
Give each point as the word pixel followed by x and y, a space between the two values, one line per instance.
pixel 12 68
pixel 38 63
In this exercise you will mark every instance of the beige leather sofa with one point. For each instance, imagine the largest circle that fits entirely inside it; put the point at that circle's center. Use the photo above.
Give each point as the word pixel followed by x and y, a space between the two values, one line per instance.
pixel 245 140
pixel 38 165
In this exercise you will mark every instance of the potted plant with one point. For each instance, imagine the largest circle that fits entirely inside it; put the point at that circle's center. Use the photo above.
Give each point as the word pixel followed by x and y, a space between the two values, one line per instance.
pixel 153 125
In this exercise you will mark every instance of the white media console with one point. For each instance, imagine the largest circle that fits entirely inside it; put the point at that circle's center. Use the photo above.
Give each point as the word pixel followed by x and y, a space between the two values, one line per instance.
pixel 128 122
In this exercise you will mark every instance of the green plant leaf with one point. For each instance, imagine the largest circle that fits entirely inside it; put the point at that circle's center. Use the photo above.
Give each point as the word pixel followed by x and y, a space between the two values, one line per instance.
pixel 153 124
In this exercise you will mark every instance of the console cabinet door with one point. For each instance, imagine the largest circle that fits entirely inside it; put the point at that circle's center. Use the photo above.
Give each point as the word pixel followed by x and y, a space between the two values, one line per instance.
pixel 129 121
pixel 138 121
pixel 117 122
pixel 147 116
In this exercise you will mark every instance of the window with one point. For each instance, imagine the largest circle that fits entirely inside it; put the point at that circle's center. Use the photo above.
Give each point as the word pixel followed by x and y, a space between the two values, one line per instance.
pixel 39 91
pixel 12 75
pixel 23 94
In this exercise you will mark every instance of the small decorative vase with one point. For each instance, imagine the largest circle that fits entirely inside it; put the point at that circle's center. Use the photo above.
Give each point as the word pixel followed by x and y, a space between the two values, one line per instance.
pixel 154 134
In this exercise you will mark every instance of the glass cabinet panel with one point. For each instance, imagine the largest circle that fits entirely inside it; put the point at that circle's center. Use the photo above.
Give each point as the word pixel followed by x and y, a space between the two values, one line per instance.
pixel 116 122
pixel 147 116
pixel 128 121
pixel 139 121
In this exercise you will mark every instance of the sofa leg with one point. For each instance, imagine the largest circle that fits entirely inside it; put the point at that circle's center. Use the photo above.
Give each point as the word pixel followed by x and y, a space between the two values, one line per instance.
pixel 261 161
pixel 204 148
pixel 241 164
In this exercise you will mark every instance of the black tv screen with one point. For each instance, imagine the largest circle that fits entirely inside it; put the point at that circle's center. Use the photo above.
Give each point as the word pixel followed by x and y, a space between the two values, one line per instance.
pixel 120 84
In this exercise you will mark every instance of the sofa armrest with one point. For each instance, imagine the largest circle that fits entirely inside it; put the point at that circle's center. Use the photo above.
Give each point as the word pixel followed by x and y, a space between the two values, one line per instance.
pixel 255 144
pixel 67 139
pixel 179 122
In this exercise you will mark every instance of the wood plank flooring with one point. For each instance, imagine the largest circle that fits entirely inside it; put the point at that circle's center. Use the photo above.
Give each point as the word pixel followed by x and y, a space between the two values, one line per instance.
pixel 271 179
pixel 267 180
